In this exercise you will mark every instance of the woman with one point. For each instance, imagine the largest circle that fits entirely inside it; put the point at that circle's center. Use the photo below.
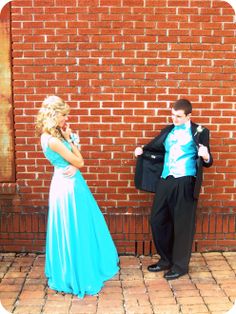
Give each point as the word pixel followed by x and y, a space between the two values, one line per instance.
pixel 80 253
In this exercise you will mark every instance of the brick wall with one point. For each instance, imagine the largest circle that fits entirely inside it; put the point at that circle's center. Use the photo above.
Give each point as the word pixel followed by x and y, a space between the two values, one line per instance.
pixel 120 64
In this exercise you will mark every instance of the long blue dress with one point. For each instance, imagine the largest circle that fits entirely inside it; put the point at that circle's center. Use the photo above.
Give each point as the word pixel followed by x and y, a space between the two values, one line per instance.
pixel 80 253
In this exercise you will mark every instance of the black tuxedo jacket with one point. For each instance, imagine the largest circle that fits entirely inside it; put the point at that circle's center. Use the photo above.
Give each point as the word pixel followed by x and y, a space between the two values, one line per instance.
pixel 149 165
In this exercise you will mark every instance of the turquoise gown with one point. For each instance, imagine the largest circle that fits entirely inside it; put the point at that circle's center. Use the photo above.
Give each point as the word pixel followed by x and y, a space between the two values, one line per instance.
pixel 80 253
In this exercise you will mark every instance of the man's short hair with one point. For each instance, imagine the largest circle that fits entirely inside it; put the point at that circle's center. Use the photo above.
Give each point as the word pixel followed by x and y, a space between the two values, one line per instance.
pixel 183 104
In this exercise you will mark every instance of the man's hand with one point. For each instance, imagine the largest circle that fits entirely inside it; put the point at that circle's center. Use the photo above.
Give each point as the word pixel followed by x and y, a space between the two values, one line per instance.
pixel 138 151
pixel 203 152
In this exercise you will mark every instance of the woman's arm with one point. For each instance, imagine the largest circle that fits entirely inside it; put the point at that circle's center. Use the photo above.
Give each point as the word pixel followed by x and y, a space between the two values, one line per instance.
pixel 74 157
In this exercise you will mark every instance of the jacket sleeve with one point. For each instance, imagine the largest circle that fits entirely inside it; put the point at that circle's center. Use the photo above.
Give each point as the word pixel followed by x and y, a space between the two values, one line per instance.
pixel 204 139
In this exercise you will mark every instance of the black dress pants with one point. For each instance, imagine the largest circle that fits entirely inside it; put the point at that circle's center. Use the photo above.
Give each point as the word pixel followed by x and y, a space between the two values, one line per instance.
pixel 173 221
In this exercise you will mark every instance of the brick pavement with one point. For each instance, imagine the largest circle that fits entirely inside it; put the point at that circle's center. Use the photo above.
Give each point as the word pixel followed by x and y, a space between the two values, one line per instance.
pixel 210 287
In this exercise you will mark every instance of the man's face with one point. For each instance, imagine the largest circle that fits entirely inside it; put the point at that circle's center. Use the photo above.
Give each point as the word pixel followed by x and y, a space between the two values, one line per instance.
pixel 179 117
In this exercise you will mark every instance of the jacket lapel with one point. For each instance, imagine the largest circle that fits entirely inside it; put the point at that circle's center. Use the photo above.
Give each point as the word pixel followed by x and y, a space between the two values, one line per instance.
pixel 166 132
pixel 195 134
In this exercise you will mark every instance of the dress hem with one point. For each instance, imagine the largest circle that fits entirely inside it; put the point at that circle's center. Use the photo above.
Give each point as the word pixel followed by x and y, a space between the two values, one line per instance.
pixel 81 295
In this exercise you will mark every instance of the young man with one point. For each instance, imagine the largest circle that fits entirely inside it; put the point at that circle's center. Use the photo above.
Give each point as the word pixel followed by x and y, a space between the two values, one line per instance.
pixel 184 147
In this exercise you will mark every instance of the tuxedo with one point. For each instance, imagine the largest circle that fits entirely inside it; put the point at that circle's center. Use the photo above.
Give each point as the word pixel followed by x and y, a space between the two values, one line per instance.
pixel 149 165
pixel 174 206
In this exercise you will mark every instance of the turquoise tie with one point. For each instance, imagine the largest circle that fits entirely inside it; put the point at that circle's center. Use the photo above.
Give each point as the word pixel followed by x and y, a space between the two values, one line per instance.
pixel 180 127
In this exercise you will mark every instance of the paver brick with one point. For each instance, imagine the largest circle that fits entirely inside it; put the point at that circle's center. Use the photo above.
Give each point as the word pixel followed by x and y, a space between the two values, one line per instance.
pixel 142 310
pixel 208 288
pixel 160 301
pixel 166 309
pixel 161 293
pixel 194 309
pixel 29 295
pixel 28 310
pixel 230 292
pixel 216 300
pixel 137 300
pixel 191 300
pixel 187 293
pixel 219 307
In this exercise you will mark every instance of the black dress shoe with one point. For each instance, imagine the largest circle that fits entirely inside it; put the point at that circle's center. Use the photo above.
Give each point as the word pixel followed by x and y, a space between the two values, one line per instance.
pixel 171 275
pixel 156 267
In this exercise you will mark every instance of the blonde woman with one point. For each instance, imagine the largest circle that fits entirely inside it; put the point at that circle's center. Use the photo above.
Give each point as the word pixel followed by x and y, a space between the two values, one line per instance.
pixel 80 253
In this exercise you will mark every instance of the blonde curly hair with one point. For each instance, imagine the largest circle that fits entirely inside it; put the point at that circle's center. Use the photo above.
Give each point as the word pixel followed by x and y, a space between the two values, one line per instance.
pixel 47 118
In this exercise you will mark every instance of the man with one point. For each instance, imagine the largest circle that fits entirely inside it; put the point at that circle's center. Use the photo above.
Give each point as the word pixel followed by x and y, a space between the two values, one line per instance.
pixel 184 147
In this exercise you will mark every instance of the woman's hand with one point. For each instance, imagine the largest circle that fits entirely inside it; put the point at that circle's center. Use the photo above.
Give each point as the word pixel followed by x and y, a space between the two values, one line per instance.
pixel 70 171
pixel 66 132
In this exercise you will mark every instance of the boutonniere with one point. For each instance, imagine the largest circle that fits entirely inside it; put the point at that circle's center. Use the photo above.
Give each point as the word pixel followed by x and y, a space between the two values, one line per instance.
pixel 199 130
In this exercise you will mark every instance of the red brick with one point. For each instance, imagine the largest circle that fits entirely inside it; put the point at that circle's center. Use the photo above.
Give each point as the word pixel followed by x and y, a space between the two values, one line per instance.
pixel 119 64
